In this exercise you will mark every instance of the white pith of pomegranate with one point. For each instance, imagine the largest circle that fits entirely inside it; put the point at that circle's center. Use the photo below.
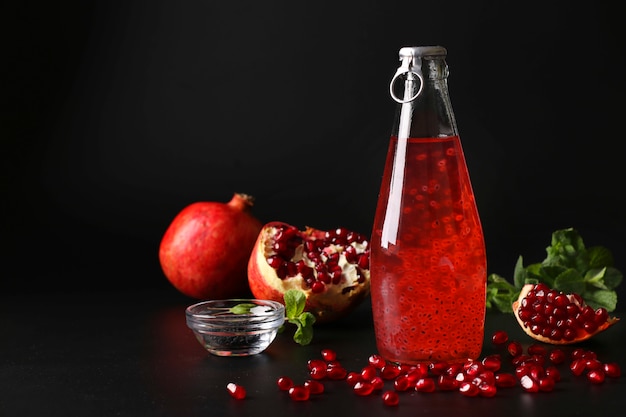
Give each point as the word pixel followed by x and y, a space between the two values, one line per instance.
pixel 554 317
pixel 205 250
pixel 330 267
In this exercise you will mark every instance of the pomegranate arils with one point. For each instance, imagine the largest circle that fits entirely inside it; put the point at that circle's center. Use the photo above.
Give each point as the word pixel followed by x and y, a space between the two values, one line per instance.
pixel 529 384
pixel 612 369
pixel 299 393
pixel 425 385
pixel 352 378
pixel 515 348
pixel 368 372
pixel 578 366
pixel 314 386
pixel 337 372
pixel 363 388
pixel 390 371
pixel 500 337
pixel 377 361
pixel 469 389
pixel 377 383
pixel 505 380
pixel 329 355
pixel 390 398
pixel 492 362
pixel 284 383
pixel 236 391
pixel 319 258
pixel 554 317
pixel 402 383
pixel 596 376
pixel 557 356
pixel 535 372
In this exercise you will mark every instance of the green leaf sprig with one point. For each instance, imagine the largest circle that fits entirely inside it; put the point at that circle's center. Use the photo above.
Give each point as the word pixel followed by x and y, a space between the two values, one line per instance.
pixel 569 267
pixel 295 302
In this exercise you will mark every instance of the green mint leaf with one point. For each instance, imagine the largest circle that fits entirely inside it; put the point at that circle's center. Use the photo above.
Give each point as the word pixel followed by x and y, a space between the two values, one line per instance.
pixel 570 281
pixel 304 332
pixel 533 271
pixel 601 298
pixel 568 250
pixel 595 278
pixel 612 278
pixel 599 257
pixel 568 267
pixel 243 308
pixel 295 300
pixel 500 293
pixel 519 273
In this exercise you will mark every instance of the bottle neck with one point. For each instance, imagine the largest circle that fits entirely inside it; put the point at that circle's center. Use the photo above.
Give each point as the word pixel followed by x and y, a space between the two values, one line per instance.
pixel 425 110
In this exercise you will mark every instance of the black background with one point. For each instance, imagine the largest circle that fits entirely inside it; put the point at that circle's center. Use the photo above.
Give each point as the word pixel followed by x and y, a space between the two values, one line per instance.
pixel 117 114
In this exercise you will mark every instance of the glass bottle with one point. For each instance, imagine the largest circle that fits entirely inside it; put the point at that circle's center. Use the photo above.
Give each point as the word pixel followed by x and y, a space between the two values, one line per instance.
pixel 428 261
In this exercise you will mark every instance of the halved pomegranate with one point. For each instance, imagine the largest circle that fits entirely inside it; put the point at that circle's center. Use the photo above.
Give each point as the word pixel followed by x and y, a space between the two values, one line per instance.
pixel 330 267
pixel 554 317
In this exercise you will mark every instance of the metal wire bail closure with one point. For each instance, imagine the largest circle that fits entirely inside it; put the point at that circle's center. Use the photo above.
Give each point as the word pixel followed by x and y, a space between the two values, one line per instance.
pixel 402 71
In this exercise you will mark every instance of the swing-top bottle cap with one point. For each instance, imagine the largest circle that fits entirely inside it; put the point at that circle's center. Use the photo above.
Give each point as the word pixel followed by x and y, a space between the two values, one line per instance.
pixel 413 51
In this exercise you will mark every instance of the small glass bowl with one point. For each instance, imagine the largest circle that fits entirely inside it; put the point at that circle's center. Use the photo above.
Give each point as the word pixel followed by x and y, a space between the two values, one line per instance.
pixel 224 333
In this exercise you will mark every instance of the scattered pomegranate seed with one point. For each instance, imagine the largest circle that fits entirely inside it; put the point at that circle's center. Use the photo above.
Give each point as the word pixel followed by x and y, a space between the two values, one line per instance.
pixel 447 383
pixel 468 389
pixel 557 356
pixel 596 376
pixel 390 371
pixel 314 386
pixel 492 362
pixel 487 390
pixel 536 349
pixel 284 383
pixel 425 385
pixel 505 380
pixel 402 383
pixel 529 384
pixel 299 393
pixel 329 355
pixel 390 398
pixel 352 378
pixel 337 373
pixel 553 372
pixel 499 337
pixel 612 369
pixel 236 391
pixel 515 348
pixel 368 372
pixel 472 378
pixel 578 366
pixel 546 384
pixel 378 383
pixel 438 368
pixel 377 361
pixel 363 388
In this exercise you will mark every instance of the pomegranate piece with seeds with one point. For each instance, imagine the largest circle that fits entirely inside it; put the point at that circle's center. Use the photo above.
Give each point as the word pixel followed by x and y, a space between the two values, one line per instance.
pixel 330 267
pixel 553 317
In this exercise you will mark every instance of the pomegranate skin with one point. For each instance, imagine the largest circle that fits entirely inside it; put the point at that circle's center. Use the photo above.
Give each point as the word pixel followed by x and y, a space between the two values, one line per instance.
pixel 335 302
pixel 205 250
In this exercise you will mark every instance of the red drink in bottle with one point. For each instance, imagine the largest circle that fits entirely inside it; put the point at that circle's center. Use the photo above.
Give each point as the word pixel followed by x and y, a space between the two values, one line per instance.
pixel 429 272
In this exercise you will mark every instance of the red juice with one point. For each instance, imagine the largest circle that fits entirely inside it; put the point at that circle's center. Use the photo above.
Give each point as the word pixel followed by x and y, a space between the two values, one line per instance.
pixel 429 279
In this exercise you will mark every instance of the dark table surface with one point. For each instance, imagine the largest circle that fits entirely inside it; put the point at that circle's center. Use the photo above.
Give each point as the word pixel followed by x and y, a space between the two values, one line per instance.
pixel 131 354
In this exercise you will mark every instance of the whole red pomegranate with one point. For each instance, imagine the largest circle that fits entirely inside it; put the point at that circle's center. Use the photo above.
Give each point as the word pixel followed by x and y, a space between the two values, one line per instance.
pixel 205 250
pixel 330 267
pixel 554 317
